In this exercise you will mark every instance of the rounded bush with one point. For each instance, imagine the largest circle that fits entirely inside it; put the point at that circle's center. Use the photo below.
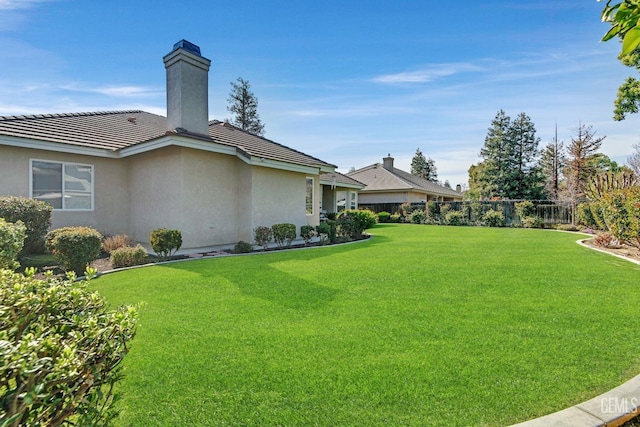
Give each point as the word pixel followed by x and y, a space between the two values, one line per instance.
pixel 262 236
pixel 34 214
pixel 493 218
pixel 242 247
pixel 74 247
pixel 283 234
pixel 11 241
pixel 384 217
pixel 307 232
pixel 128 256
pixel 455 218
pixel 165 242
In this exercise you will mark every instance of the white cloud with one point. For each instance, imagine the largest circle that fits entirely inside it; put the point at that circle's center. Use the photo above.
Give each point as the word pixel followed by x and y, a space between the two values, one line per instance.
pixel 426 74
pixel 125 91
pixel 19 4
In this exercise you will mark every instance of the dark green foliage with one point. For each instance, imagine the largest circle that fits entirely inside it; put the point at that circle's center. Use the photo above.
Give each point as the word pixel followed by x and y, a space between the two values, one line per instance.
pixel 242 247
pixel 165 242
pixel 417 217
pixel 363 219
pixel 128 256
pixel 584 215
pixel 531 222
pixel 492 218
pixel 622 215
pixel 327 230
pixel 423 167
pixel 384 217
pixel 74 247
pixel 283 234
pixel 244 105
pixel 11 240
pixel 455 218
pixel 510 166
pixel 307 232
pixel 525 208
pixel 432 212
pixel 262 236
pixel 34 214
pixel 61 352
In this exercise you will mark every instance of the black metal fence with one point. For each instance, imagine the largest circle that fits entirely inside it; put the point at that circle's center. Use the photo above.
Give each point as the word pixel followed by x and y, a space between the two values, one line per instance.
pixel 548 212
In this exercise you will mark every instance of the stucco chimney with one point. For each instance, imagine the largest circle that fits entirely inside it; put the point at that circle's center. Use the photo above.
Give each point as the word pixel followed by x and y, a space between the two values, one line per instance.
pixel 187 88
pixel 459 188
pixel 387 162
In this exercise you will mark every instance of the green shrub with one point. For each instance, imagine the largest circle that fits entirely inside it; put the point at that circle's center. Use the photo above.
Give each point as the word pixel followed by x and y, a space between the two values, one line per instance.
pixel 531 222
pixel 455 218
pixel 242 247
pixel 493 218
pixel 384 217
pixel 74 247
pixel 165 242
pixel 566 227
pixel 417 217
pixel 475 211
pixel 34 214
pixel 584 215
pixel 354 222
pixel 262 236
pixel 307 232
pixel 128 256
pixel 327 231
pixel 597 212
pixel 622 214
pixel 111 243
pixel 283 234
pixel 525 209
pixel 394 218
pixel 11 241
pixel 444 210
pixel 60 353
pixel 432 211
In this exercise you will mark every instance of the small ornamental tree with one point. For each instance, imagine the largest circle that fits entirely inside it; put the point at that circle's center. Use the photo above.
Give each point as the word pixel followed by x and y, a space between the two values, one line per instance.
pixel 74 247
pixel 165 242
pixel 307 232
pixel 60 352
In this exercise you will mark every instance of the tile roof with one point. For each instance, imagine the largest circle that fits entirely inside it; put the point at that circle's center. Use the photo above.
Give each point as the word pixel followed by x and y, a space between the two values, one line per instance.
pixel 377 178
pixel 340 179
pixel 115 130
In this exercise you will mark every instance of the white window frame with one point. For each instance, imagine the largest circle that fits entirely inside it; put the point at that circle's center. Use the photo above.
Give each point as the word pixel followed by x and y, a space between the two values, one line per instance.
pixel 64 165
pixel 313 193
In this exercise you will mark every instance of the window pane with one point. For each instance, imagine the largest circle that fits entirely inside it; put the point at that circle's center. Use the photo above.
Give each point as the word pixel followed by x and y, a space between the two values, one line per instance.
pixel 47 183
pixel 341 199
pixel 353 200
pixel 309 198
pixel 77 186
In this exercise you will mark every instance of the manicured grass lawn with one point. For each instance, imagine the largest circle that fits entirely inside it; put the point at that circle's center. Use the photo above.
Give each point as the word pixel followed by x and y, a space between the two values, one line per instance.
pixel 421 325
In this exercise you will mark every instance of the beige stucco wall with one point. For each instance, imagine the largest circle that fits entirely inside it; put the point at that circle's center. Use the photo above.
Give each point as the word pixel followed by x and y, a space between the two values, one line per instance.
pixel 111 203
pixel 213 199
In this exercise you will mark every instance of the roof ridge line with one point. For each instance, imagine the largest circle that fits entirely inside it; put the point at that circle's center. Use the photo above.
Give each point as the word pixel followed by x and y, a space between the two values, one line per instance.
pixel 61 115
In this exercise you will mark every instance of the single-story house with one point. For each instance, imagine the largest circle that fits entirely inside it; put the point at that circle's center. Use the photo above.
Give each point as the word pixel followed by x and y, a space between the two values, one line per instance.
pixel 388 187
pixel 339 192
pixel 130 172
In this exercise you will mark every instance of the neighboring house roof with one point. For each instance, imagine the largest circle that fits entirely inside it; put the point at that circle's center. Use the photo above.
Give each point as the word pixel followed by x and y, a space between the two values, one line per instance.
pixel 377 178
pixel 117 130
pixel 340 180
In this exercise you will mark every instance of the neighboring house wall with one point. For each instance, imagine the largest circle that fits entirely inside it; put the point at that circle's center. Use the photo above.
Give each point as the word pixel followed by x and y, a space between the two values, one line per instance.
pixel 390 197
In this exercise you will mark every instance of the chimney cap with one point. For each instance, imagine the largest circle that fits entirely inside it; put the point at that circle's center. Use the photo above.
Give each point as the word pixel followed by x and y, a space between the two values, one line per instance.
pixel 188 46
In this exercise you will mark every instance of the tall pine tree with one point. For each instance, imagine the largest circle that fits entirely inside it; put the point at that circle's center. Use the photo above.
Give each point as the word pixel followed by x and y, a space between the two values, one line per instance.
pixel 244 105
pixel 511 159
pixel 552 163
pixel 423 167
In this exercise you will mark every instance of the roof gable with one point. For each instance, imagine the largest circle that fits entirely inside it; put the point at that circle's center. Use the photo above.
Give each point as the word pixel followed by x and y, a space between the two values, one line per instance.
pixel 377 178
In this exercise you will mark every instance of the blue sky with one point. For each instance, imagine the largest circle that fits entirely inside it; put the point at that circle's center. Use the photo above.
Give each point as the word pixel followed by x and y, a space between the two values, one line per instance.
pixel 346 81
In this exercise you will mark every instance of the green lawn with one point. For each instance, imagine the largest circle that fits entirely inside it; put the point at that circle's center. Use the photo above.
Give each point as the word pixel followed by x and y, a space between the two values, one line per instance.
pixel 422 325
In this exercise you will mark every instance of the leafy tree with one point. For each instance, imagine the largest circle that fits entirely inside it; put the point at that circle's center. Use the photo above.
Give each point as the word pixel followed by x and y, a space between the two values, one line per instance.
pixel 244 104
pixel 511 159
pixel 477 182
pixel 423 167
pixel 634 161
pixel 623 18
pixel 552 162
